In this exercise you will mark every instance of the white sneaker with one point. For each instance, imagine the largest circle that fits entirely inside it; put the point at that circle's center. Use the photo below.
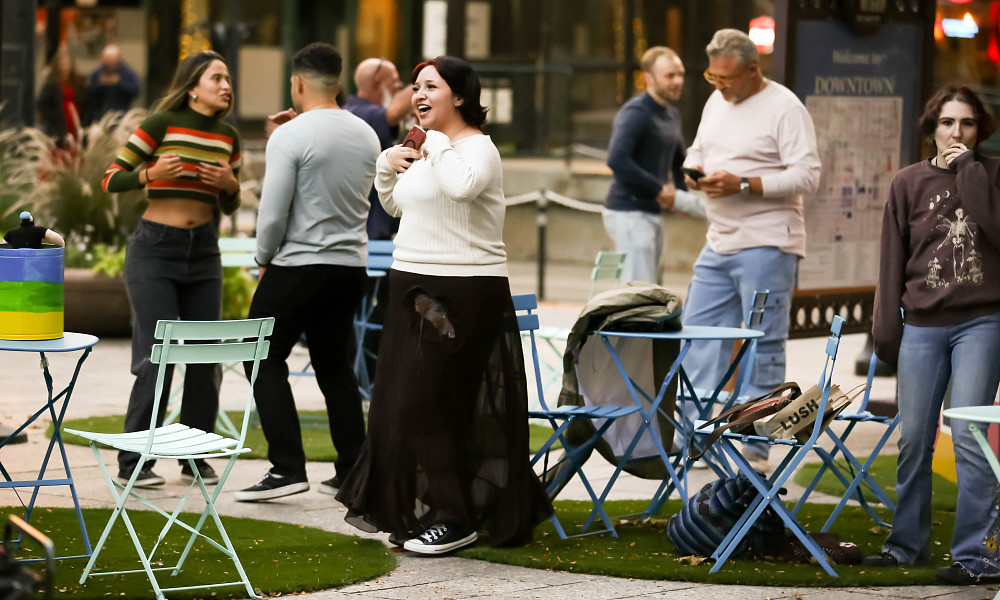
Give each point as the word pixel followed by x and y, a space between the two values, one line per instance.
pixel 438 539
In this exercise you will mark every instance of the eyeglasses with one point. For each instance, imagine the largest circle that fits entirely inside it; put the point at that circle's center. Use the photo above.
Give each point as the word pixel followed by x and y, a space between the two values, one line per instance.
pixel 714 79
pixel 381 61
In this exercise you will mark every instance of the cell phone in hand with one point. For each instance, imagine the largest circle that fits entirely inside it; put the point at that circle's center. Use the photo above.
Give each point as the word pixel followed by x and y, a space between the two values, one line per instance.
pixel 692 173
pixel 414 139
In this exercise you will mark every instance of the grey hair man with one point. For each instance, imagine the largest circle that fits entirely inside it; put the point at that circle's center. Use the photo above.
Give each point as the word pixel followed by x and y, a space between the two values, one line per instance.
pixel 756 145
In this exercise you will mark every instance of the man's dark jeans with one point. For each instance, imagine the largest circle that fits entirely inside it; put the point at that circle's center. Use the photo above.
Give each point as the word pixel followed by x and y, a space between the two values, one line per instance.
pixel 320 300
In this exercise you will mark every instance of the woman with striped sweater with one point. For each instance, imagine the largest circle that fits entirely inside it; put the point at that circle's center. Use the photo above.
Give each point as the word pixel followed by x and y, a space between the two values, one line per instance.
pixel 188 160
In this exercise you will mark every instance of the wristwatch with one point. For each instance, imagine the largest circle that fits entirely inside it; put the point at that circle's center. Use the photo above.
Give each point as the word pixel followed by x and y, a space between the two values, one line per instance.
pixel 744 186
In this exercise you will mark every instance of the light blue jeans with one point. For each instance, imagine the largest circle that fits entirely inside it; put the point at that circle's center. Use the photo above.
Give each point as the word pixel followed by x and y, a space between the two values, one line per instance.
pixel 928 358
pixel 640 236
pixel 721 294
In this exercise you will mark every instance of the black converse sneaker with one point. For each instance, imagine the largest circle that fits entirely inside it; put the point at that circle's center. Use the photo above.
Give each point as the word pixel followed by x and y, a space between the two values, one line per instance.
pixel 273 486
pixel 146 479
pixel 440 538
pixel 330 486
pixel 208 474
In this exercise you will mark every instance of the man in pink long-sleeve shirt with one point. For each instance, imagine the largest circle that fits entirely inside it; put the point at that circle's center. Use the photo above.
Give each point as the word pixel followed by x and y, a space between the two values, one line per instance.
pixel 757 147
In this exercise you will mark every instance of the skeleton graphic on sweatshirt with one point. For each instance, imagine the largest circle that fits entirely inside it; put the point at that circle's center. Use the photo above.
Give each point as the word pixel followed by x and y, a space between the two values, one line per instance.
pixel 955 260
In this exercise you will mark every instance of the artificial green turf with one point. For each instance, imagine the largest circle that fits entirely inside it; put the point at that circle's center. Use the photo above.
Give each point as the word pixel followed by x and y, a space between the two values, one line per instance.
pixel 643 551
pixel 883 471
pixel 315 437
pixel 279 558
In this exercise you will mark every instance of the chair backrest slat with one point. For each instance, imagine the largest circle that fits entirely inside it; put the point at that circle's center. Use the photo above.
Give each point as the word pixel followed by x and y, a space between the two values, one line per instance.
pixel 381 247
pixel 607 266
pixel 226 352
pixel 213 330
pixel 238 252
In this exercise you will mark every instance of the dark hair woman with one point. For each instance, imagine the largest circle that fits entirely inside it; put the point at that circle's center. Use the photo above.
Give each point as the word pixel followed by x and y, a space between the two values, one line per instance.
pixel 62 100
pixel 940 264
pixel 188 159
pixel 447 445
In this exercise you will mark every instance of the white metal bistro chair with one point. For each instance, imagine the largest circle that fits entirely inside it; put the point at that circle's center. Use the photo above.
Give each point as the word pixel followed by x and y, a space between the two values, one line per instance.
pixel 213 342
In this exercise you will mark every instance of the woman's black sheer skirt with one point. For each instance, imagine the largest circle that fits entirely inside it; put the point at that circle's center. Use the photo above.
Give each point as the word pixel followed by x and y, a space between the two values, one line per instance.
pixel 447 428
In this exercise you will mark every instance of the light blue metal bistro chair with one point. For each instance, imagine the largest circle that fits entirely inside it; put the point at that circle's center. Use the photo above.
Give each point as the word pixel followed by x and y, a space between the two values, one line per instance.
pixel 768 489
pixel 571 462
pixel 214 342
pixel 862 479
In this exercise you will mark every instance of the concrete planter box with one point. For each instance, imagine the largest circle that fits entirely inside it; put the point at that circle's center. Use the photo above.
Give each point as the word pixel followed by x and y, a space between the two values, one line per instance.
pixel 96 304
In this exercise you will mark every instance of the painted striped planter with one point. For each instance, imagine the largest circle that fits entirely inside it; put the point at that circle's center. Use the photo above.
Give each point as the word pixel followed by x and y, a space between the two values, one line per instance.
pixel 31 293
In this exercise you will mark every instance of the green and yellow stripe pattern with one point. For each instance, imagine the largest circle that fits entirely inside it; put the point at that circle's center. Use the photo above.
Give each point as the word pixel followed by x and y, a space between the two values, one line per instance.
pixel 31 294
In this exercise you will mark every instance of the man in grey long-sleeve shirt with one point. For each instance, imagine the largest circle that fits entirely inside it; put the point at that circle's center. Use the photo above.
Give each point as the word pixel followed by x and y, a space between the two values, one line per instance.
pixel 646 149
pixel 311 246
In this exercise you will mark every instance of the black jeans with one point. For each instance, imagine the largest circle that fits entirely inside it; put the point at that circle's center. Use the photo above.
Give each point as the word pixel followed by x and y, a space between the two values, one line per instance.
pixel 171 273
pixel 321 301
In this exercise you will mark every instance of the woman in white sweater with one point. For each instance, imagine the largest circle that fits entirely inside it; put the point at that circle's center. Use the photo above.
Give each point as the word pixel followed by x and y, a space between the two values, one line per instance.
pixel 447 446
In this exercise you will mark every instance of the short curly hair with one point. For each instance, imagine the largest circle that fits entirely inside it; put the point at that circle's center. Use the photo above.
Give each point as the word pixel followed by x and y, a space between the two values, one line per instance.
pixel 985 126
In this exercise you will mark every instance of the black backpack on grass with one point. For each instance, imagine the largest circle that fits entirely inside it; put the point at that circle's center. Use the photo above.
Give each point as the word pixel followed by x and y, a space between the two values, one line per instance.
pixel 708 516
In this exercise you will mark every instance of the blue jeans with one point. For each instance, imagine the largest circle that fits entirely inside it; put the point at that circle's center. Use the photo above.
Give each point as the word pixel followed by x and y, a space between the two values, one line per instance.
pixel 640 236
pixel 928 357
pixel 171 273
pixel 721 294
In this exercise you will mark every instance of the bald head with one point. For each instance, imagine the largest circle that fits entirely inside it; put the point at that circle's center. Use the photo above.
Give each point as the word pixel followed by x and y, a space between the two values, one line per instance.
pixel 110 56
pixel 375 78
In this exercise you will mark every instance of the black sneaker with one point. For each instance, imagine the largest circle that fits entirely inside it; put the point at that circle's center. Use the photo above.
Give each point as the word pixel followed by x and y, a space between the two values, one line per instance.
pixel 880 560
pixel 272 485
pixel 146 479
pixel 204 469
pixel 438 539
pixel 330 486
pixel 396 540
pixel 957 575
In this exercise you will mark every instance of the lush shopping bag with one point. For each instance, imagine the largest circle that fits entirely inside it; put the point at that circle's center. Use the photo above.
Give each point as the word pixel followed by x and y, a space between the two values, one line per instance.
pixel 741 418
pixel 796 419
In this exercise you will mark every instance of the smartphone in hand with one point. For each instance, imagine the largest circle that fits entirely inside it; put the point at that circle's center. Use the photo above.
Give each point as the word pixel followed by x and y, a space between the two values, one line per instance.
pixel 692 173
pixel 414 139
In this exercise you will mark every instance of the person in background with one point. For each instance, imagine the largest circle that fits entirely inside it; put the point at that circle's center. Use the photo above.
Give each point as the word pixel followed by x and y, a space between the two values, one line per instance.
pixel 937 318
pixel 311 247
pixel 62 100
pixel 645 154
pixel 113 86
pixel 756 145
pixel 383 102
pixel 447 445
pixel 188 159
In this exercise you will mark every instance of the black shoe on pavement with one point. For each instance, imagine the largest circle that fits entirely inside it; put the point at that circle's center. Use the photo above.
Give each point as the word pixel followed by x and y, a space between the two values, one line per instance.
pixel 957 575
pixel 146 479
pixel 880 560
pixel 440 538
pixel 397 541
pixel 330 486
pixel 273 486
pixel 207 472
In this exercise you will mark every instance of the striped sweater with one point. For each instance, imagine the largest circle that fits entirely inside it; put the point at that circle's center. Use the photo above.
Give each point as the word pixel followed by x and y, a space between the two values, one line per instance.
pixel 191 135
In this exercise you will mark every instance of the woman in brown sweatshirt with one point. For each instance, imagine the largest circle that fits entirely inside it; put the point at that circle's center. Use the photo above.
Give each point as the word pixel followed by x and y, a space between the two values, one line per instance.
pixel 937 318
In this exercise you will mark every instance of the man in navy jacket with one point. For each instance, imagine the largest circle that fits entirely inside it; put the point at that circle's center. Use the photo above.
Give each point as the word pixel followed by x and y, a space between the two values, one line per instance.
pixel 645 154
